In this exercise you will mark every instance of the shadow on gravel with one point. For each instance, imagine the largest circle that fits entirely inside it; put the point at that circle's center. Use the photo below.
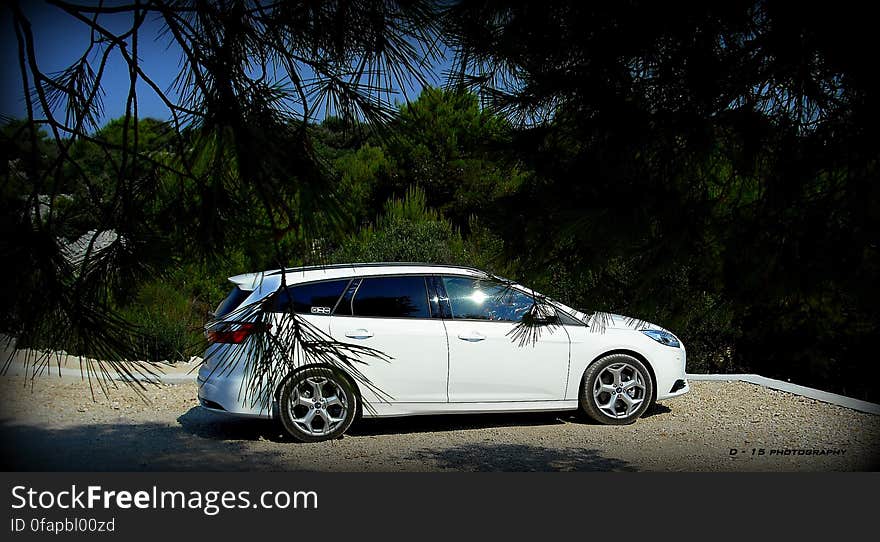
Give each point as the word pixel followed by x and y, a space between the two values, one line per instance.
pixel 123 447
pixel 656 409
pixel 452 422
pixel 211 425
pixel 458 422
pixel 490 457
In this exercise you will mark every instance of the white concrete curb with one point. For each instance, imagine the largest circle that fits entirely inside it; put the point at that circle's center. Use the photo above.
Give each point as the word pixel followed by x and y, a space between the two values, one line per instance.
pixel 173 378
pixel 60 364
pixel 812 393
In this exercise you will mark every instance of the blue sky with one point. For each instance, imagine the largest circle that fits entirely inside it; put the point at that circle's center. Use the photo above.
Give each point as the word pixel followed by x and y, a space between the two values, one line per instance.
pixel 60 40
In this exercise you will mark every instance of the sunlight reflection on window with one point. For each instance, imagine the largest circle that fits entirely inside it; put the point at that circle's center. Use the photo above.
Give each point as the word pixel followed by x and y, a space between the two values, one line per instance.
pixel 478 297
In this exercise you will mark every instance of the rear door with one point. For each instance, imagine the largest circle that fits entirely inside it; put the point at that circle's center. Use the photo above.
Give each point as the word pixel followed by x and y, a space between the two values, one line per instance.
pixel 486 362
pixel 392 314
pixel 312 301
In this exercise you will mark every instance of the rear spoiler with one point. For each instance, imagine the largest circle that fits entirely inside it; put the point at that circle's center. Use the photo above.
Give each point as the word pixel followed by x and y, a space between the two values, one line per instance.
pixel 248 281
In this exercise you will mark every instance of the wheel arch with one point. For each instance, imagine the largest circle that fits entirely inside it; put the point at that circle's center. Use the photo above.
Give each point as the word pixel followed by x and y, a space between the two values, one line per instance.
pixel 639 356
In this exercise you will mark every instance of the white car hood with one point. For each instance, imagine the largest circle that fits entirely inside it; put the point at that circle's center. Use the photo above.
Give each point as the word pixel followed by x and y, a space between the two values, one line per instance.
pixel 607 320
pixel 618 321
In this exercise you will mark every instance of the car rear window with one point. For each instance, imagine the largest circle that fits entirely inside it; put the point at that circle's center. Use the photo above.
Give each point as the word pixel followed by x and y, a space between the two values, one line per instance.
pixel 313 298
pixel 232 301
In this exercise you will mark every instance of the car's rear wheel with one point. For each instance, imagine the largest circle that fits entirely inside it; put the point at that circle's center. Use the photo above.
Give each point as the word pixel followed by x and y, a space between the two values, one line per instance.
pixel 616 390
pixel 317 404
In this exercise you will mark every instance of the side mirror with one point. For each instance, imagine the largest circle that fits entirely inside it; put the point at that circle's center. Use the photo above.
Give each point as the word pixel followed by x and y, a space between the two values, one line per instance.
pixel 543 314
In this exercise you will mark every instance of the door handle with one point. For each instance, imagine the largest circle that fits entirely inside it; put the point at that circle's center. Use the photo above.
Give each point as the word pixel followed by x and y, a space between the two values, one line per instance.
pixel 359 333
pixel 472 336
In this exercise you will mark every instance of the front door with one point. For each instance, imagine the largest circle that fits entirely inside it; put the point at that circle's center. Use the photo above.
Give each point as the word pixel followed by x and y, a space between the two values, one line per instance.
pixel 487 362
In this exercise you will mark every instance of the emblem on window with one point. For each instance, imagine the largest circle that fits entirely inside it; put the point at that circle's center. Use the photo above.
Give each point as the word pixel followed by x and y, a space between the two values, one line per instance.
pixel 320 310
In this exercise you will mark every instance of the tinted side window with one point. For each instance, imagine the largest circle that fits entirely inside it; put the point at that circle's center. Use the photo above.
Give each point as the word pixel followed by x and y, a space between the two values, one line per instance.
pixel 477 299
pixel 567 319
pixel 392 297
pixel 343 308
pixel 313 298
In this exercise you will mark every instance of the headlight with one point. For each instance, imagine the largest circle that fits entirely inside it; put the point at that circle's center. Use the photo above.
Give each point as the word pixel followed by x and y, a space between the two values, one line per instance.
pixel 662 337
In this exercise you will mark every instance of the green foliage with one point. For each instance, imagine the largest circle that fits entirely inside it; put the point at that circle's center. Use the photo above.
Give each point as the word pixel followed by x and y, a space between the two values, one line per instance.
pixel 26 152
pixel 100 157
pixel 362 171
pixel 170 310
pixel 408 231
pixel 166 317
pixel 703 246
pixel 713 171
pixel 711 168
pixel 451 148
pixel 444 144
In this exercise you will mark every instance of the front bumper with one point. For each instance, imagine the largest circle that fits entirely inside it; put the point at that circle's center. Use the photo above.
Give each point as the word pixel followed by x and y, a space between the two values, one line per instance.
pixel 669 366
pixel 680 387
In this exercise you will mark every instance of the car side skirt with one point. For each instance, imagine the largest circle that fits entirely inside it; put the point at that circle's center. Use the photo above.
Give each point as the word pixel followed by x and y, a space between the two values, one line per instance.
pixel 387 410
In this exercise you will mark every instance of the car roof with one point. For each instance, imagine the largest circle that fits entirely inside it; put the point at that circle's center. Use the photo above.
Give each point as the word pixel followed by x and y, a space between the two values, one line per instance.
pixel 295 275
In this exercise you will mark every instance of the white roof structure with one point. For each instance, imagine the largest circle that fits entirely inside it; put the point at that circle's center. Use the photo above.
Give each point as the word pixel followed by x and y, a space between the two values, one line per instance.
pixel 75 252
pixel 250 281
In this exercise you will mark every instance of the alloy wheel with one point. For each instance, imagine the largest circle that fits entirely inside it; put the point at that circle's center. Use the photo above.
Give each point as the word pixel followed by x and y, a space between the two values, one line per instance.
pixel 318 405
pixel 619 390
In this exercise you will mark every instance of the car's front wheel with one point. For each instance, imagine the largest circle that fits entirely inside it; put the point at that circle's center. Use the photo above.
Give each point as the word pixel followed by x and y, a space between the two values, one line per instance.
pixel 317 404
pixel 616 390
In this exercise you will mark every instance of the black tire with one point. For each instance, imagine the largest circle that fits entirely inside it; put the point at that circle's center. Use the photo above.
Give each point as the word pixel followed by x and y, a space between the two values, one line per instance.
pixel 302 404
pixel 640 390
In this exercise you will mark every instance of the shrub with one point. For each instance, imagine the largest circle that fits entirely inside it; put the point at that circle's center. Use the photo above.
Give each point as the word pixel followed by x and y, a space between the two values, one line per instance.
pixel 165 315
pixel 408 231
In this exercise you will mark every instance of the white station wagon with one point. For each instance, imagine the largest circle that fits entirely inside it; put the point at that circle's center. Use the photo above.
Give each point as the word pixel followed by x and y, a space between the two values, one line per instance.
pixel 448 333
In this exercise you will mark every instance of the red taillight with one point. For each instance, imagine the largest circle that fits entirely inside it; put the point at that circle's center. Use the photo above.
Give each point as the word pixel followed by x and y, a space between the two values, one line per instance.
pixel 237 335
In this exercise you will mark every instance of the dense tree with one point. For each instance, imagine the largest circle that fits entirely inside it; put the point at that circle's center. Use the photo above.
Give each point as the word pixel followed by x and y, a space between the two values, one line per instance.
pixel 709 167
pixel 407 231
pixel 252 77
pixel 445 144
pixel 727 147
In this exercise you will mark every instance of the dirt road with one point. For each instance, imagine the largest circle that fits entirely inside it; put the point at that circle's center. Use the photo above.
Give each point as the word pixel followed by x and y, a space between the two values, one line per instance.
pixel 57 426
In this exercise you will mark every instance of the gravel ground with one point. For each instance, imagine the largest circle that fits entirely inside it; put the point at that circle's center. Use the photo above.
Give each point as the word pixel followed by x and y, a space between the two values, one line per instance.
pixel 57 426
